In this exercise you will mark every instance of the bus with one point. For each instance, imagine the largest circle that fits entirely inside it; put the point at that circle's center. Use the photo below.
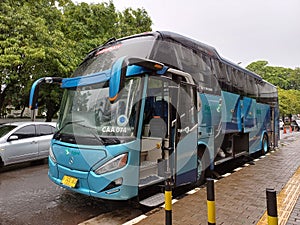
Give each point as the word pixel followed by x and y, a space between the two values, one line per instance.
pixel 155 106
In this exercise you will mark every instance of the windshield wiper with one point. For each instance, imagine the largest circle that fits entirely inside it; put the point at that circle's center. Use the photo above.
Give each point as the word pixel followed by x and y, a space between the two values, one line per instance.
pixel 92 129
pixel 66 124
pixel 78 122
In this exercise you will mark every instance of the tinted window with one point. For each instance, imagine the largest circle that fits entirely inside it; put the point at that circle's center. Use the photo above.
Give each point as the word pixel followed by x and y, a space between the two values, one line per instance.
pixel 222 75
pixel 267 93
pixel 46 130
pixel 188 60
pixel 4 129
pixel 103 58
pixel 251 88
pixel 25 132
pixel 165 52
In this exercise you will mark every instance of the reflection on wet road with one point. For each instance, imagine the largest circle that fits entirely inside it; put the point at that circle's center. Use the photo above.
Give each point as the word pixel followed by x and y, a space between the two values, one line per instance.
pixel 27 196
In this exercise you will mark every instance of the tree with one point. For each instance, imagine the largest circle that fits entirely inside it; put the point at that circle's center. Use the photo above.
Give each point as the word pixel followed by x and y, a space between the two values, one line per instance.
pixel 41 38
pixel 279 76
pixel 19 46
pixel 133 21
pixel 91 25
pixel 288 82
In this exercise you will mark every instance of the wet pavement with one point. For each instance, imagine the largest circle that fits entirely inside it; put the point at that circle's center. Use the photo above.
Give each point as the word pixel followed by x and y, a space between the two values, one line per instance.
pixel 27 196
pixel 241 195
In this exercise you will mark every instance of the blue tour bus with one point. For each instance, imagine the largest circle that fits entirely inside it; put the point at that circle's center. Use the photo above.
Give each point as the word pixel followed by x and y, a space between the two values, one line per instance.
pixel 152 106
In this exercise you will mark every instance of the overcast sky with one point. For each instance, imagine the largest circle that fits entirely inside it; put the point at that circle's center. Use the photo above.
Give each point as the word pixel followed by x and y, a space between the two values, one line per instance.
pixel 241 30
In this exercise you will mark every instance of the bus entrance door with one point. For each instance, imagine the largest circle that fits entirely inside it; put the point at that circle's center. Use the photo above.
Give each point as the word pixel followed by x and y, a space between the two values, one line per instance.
pixel 186 135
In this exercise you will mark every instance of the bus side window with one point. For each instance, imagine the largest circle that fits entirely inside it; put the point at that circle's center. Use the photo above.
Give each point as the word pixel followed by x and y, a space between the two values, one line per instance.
pixel 241 82
pixel 229 79
pixel 199 66
pixel 233 76
pixel 251 87
pixel 165 53
pixel 217 69
pixel 221 73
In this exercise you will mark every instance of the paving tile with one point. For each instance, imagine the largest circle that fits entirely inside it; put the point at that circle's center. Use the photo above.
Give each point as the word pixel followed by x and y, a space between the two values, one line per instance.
pixel 240 197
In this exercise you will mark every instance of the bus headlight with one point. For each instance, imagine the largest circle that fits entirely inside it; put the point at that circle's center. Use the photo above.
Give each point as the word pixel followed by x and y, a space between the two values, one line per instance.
pixel 113 164
pixel 52 155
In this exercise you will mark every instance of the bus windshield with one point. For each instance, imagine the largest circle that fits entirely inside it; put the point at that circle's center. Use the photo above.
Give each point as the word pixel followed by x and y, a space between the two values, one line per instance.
pixel 88 117
pixel 102 58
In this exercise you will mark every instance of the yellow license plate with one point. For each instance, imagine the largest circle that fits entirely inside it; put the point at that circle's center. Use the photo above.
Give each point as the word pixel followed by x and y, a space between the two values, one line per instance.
pixel 69 181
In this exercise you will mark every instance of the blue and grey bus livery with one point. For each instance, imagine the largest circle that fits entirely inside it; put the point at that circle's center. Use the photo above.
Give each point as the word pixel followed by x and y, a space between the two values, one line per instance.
pixel 153 106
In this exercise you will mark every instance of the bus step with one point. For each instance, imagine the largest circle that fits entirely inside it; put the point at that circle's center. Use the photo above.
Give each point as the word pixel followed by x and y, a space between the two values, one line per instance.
pixel 154 200
pixel 152 179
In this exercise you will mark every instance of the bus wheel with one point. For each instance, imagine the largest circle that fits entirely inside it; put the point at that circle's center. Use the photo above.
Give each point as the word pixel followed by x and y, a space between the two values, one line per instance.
pixel 202 164
pixel 265 145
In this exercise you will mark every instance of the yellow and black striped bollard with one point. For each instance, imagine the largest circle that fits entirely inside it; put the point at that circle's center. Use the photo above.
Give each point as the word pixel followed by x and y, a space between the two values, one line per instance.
pixel 272 207
pixel 168 202
pixel 211 207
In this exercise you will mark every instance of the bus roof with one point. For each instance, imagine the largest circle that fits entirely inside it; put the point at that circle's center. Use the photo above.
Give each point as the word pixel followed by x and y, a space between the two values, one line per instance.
pixel 195 45
pixel 199 46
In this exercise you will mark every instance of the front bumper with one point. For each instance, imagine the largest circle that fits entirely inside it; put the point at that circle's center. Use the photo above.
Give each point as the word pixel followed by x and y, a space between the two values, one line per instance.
pixel 100 186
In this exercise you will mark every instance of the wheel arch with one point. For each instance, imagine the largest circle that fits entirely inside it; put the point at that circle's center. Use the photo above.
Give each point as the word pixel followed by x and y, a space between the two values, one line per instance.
pixel 264 137
pixel 205 154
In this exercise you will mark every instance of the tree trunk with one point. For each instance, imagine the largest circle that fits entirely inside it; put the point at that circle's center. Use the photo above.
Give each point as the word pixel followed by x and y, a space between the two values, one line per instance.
pixel 51 110
pixel 22 112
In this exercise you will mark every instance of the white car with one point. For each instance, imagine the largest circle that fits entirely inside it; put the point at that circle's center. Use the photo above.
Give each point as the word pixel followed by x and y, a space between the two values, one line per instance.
pixel 25 141
pixel 281 124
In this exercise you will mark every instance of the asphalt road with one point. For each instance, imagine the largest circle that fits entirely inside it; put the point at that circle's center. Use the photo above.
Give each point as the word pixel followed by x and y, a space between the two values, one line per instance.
pixel 27 196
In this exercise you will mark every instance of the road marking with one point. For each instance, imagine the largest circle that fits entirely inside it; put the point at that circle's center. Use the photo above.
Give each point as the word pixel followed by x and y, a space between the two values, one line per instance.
pixel 286 200
pixel 193 191
pixel 135 220
pixel 226 175
pixel 237 169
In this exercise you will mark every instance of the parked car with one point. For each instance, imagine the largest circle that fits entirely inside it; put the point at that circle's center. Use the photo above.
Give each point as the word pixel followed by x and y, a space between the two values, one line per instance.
pixel 281 124
pixel 25 141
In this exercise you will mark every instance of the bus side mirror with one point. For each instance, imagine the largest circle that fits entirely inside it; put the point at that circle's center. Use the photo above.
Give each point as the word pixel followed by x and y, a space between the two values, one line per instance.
pixel 35 91
pixel 117 78
pixel 129 66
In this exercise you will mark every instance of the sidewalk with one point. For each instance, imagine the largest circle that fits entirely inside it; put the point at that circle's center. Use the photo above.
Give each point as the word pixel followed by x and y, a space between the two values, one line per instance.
pixel 241 197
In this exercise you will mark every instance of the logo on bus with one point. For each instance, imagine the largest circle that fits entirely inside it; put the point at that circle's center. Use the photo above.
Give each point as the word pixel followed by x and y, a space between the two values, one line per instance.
pixel 71 152
pixel 71 160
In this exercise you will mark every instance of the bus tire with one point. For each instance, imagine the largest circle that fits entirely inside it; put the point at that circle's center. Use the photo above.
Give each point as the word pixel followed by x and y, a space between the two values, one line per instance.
pixel 203 162
pixel 264 145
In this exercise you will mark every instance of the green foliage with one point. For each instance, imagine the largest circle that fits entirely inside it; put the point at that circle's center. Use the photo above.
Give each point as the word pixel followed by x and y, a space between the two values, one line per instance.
pixel 41 38
pixel 279 76
pixel 131 21
pixel 288 82
pixel 289 102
